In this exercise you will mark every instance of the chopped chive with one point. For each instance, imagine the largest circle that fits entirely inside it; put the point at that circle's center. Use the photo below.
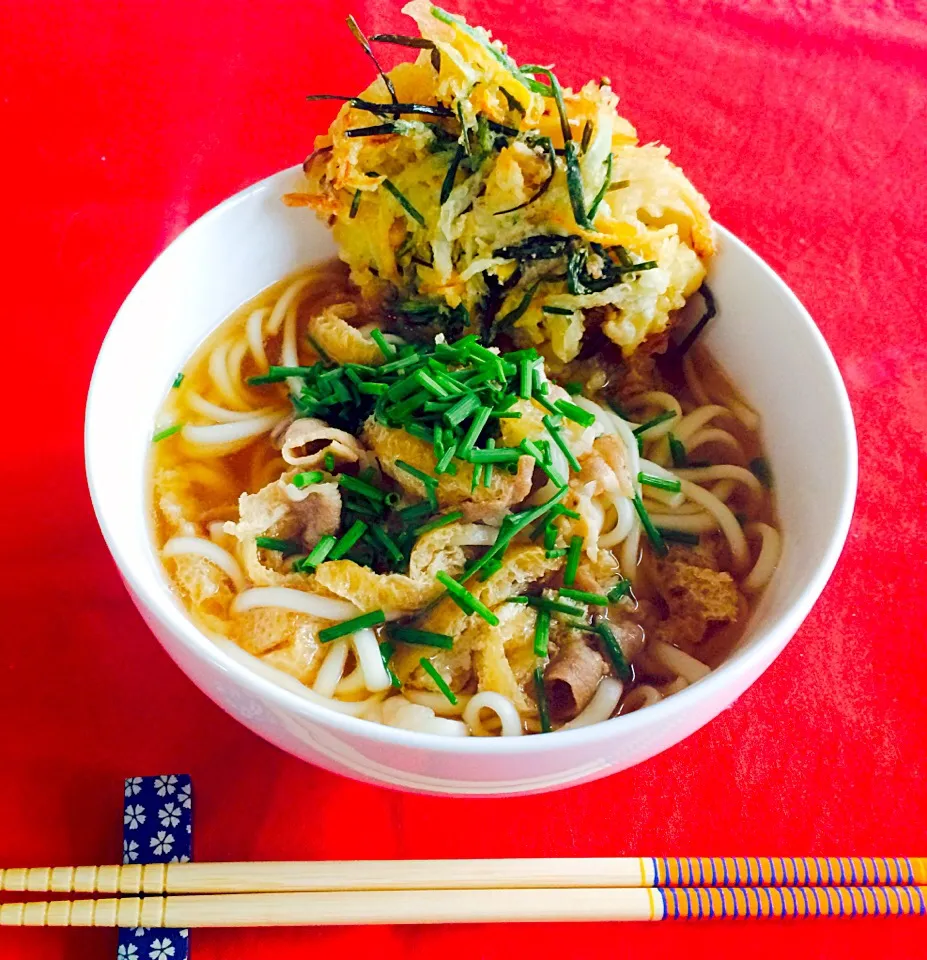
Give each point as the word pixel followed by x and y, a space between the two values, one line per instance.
pixel 307 478
pixel 347 627
pixel 359 487
pixel 677 451
pixel 465 600
pixel 596 599
pixel 551 606
pixel 653 533
pixel 620 410
pixel 386 348
pixel 403 202
pixel 448 185
pixel 430 384
pixel 541 696
pixel 487 467
pixel 656 421
pixel 572 412
pixel 550 536
pixel 422 637
pixel 388 544
pixel 679 536
pixel 621 589
pixel 355 203
pixel 532 450
pixel 556 554
pixel 501 455
pixel 317 555
pixel 444 464
pixel 386 652
pixel 477 477
pixel 759 467
pixel 277 374
pixel 281 546
pixel 347 540
pixel 476 428
pixel 392 499
pixel 412 515
pixel 541 633
pixel 660 483
pixel 329 462
pixel 557 436
pixel 461 409
pixel 438 522
pixel 525 377
pixel 572 564
pixel 613 650
pixel 560 312
pixel 440 682
pixel 178 380
pixel 166 432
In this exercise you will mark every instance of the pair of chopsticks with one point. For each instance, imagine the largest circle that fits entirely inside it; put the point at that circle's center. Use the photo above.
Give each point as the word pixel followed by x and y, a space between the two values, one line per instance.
pixel 467 891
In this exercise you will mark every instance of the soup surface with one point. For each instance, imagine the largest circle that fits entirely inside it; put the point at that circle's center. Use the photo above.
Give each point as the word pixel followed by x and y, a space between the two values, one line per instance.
pixel 454 539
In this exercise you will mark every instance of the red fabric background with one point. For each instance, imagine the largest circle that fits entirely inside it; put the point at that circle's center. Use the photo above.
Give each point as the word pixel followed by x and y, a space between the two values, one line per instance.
pixel 804 124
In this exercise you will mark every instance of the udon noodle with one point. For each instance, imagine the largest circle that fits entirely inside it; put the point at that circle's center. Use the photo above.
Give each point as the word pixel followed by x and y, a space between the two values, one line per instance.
pixel 651 526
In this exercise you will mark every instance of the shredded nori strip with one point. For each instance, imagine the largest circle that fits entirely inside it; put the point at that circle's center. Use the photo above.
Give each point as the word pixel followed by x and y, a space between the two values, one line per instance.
pixel 693 334
pixel 544 142
pixel 387 109
pixel 403 41
pixel 362 40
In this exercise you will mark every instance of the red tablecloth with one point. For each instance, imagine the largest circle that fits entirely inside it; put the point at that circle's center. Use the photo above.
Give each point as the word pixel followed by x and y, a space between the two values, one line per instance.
pixel 804 124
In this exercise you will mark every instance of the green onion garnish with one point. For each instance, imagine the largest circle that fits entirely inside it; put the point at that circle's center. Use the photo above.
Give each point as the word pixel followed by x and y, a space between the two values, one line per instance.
pixel 444 465
pixel 541 633
pixel 759 467
pixel 621 589
pixel 462 409
pixel 555 554
pixel 551 606
pixel 532 450
pixel 355 203
pixel 388 544
pixel 438 522
pixel 423 637
pixel 679 536
pixel 525 378
pixel 572 412
pixel 557 436
pixel 574 388
pixel 550 536
pixel 329 462
pixel 613 650
pixel 347 627
pixel 440 682
pixel 596 599
pixel 386 348
pixel 661 483
pixel 424 478
pixel 347 540
pixel 677 451
pixel 178 380
pixel 652 532
pixel 411 515
pixel 656 421
pixel 317 555
pixel 307 478
pixel 386 652
pixel 465 600
pixel 501 455
pixel 541 696
pixel 361 488
pixel 281 546
pixel 572 564
pixel 166 432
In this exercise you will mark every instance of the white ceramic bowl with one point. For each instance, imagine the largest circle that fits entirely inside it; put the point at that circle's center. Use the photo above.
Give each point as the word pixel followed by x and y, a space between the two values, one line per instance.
pixel 763 337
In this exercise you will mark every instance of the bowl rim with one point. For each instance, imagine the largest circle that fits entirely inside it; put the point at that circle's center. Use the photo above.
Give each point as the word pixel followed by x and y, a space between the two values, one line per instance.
pixel 162 605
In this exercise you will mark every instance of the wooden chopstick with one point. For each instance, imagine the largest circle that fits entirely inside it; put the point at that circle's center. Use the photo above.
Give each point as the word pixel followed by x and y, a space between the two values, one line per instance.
pixel 567 873
pixel 467 906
